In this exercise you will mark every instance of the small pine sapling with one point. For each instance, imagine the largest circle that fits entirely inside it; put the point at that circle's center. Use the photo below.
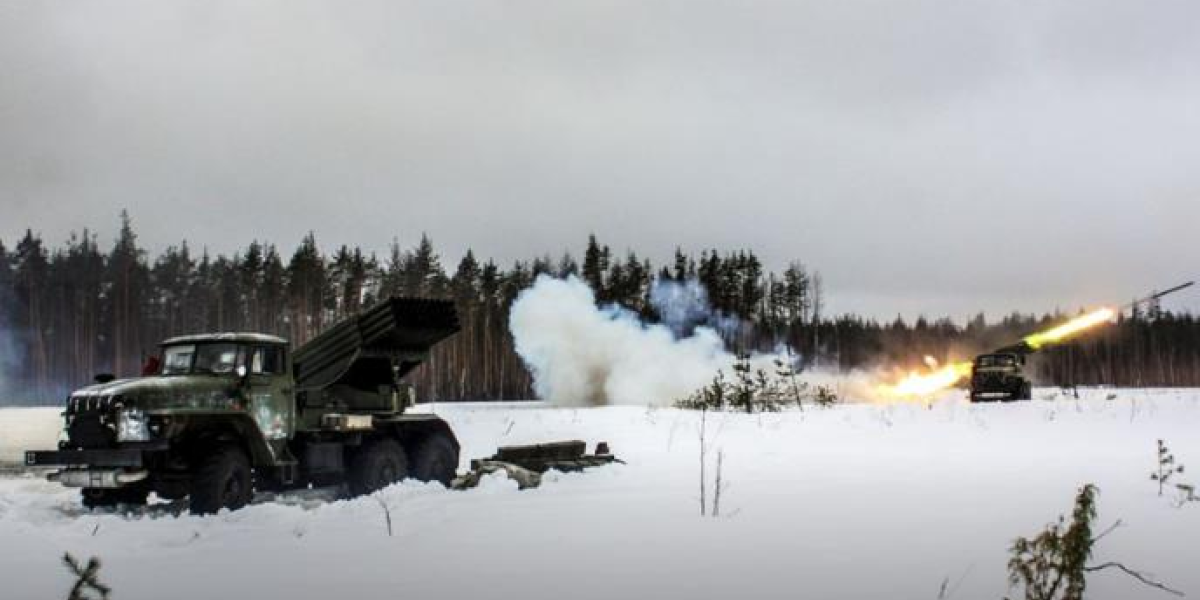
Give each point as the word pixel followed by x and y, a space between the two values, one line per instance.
pixel 757 389
pixel 744 388
pixel 770 397
pixel 1166 467
pixel 1053 565
pixel 716 396
pixel 87 579
pixel 824 396
pixel 796 389
pixel 1187 493
pixel 713 396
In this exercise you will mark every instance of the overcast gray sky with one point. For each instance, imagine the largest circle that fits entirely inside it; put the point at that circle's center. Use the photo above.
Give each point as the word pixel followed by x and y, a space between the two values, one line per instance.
pixel 928 157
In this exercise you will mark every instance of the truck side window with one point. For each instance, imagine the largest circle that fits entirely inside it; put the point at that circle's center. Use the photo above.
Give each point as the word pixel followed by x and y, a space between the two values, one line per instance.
pixel 266 360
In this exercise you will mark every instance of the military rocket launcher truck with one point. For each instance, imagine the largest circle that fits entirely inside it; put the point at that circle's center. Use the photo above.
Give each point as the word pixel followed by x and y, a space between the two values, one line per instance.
pixel 230 413
pixel 999 375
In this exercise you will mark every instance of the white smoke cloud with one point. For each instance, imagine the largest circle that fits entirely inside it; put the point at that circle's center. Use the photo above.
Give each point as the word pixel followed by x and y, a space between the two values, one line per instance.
pixel 682 306
pixel 582 355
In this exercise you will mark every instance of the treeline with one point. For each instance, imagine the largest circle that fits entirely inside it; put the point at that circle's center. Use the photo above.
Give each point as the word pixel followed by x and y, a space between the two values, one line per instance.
pixel 71 311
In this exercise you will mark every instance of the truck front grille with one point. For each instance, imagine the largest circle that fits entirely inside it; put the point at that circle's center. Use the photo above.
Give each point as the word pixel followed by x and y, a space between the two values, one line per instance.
pixel 91 422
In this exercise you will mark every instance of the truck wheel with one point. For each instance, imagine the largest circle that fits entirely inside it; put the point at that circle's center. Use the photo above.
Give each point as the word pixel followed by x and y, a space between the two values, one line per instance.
pixel 376 466
pixel 435 458
pixel 221 480
pixel 106 498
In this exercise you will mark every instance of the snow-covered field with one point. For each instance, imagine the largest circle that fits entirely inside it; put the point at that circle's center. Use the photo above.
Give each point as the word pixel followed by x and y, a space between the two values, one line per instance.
pixel 857 501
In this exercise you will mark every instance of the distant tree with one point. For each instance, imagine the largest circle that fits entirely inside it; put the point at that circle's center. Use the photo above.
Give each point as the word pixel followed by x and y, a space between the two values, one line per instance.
pixel 172 278
pixel 595 265
pixel 464 284
pixel 272 292
pixel 30 274
pixel 796 293
pixel 518 279
pixel 489 283
pixel 202 296
pixel 349 274
pixel 127 277
pixel 249 284
pixel 542 265
pixel 684 268
pixel 306 290
pixel 8 308
pixel 392 281
pixel 423 274
pixel 567 265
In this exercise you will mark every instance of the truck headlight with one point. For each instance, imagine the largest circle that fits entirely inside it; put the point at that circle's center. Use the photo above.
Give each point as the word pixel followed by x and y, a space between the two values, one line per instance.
pixel 132 426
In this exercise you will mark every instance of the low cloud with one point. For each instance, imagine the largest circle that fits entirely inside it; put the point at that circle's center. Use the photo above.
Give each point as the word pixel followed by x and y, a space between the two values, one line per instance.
pixel 926 157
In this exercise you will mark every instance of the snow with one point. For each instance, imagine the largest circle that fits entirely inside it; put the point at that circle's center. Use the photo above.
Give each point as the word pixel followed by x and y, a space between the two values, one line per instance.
pixel 858 501
pixel 27 428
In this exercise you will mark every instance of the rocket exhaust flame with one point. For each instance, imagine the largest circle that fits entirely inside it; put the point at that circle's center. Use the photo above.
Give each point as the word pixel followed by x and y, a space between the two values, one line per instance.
pixel 1051 336
pixel 916 384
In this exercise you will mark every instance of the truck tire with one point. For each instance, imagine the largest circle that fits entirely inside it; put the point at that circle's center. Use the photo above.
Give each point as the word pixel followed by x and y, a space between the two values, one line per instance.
pixel 376 466
pixel 221 480
pixel 435 458
pixel 134 495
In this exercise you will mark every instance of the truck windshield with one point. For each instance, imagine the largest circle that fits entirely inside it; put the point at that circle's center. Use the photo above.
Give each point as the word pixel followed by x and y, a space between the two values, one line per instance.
pixel 202 358
pixel 997 361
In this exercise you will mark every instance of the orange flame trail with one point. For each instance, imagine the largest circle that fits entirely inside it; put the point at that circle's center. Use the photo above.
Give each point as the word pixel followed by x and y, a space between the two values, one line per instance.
pixel 916 384
pixel 1070 328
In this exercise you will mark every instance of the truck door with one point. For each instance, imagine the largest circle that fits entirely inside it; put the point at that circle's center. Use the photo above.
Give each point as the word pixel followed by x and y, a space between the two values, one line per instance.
pixel 270 391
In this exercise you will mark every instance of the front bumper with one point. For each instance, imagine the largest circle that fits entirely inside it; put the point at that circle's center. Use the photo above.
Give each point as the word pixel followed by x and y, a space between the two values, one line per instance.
pixel 993 395
pixel 97 478
pixel 128 456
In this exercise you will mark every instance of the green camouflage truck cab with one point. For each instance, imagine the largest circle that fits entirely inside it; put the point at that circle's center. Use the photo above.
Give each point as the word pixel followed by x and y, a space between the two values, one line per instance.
pixel 231 413
pixel 999 376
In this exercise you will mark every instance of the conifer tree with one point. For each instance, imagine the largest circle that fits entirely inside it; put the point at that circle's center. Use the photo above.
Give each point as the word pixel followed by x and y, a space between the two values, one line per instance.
pixel 595 265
